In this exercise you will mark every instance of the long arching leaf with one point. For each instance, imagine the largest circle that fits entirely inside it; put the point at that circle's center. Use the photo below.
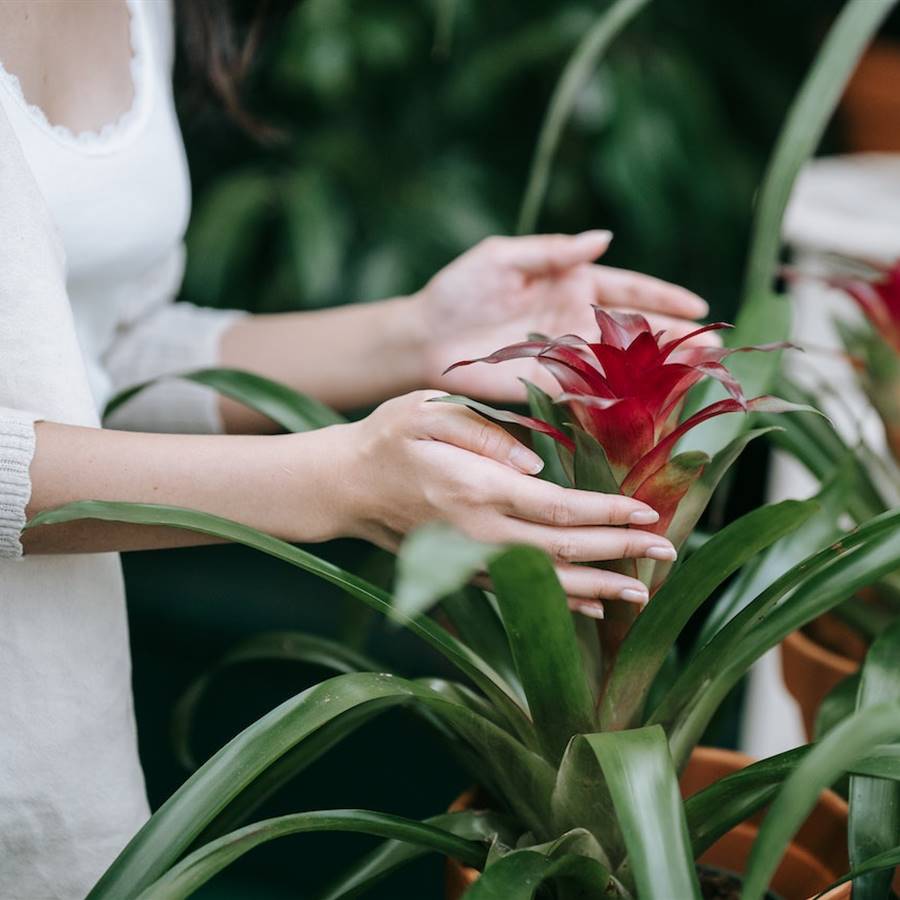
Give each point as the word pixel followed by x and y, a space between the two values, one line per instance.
pixel 291 646
pixel 656 629
pixel 578 70
pixel 543 643
pixel 818 583
pixel 819 531
pixel 718 808
pixel 150 514
pixel 644 789
pixel 196 869
pixel 525 779
pixel 889 860
pixel 832 756
pixel 292 410
pixel 359 876
pixel 875 802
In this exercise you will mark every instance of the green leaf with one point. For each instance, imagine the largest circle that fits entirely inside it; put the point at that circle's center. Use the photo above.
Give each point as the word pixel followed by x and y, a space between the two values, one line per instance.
pixel 889 859
pixel 581 799
pixel 363 874
pixel 644 789
pixel 693 504
pixel 815 442
pixel 875 802
pixel 839 703
pixel 476 621
pixel 292 646
pixel 542 638
pixel 763 315
pixel 558 463
pixel 196 869
pixel 524 778
pixel 521 874
pixel 150 514
pixel 818 532
pixel 828 759
pixel 883 762
pixel 818 583
pixel 434 561
pixel 575 76
pixel 290 409
pixel 655 631
pixel 592 469
pixel 716 809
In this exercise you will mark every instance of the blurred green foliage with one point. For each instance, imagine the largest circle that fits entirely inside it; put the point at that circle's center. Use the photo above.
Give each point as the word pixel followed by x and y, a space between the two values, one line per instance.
pixel 409 128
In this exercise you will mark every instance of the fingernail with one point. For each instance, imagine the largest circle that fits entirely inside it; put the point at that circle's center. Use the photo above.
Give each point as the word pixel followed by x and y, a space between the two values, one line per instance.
pixel 643 517
pixel 591 610
pixel 526 461
pixel 662 552
pixel 597 234
pixel 634 595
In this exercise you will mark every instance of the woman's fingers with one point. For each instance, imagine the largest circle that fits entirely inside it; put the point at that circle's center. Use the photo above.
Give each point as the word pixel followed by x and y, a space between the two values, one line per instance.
pixel 644 293
pixel 543 254
pixel 583 583
pixel 548 504
pixel 467 430
pixel 587 543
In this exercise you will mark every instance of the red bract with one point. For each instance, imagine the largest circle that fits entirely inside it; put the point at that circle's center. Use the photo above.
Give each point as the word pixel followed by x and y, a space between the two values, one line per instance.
pixel 628 392
pixel 879 299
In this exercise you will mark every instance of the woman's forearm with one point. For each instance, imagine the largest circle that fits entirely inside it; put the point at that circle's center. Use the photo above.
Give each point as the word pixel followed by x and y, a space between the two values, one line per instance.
pixel 287 485
pixel 348 357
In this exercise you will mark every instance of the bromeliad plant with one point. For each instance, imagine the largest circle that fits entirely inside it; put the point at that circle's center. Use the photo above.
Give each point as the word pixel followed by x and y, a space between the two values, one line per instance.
pixel 617 422
pixel 876 350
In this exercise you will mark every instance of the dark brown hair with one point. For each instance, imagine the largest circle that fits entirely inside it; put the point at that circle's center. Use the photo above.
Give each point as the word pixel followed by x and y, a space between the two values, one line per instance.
pixel 218 54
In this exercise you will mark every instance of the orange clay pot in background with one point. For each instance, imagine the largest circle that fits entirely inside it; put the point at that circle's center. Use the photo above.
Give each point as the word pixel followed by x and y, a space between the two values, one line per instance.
pixel 816 857
pixel 813 661
pixel 870 110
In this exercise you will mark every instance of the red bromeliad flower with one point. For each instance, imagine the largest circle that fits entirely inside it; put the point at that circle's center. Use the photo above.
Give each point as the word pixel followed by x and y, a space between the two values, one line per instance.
pixel 876 356
pixel 879 299
pixel 627 392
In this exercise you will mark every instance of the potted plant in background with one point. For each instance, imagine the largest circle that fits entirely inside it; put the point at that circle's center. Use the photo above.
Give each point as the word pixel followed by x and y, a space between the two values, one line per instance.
pixel 832 647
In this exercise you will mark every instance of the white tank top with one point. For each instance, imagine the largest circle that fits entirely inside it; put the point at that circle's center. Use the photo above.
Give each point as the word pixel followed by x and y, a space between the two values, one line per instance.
pixel 120 197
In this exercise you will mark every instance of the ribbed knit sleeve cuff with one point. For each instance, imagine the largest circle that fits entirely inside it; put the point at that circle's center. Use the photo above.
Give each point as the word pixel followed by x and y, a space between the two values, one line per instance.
pixel 16 453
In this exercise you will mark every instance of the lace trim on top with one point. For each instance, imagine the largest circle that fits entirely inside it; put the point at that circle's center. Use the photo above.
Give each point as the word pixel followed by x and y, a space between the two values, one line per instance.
pixel 114 132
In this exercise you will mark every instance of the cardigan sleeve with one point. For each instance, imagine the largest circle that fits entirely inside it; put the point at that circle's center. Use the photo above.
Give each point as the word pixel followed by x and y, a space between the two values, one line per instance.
pixel 169 339
pixel 42 373
pixel 16 453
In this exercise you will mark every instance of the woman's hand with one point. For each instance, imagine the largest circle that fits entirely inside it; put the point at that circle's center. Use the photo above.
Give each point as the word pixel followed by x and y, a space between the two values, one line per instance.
pixel 413 462
pixel 504 288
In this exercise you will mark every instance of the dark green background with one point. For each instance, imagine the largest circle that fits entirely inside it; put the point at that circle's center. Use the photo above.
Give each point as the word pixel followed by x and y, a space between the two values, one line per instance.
pixel 407 131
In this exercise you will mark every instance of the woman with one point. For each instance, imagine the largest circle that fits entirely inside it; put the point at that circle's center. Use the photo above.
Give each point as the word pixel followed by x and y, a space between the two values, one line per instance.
pixel 94 199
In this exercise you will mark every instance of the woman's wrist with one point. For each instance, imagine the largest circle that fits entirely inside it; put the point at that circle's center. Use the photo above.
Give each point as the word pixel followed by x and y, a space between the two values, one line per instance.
pixel 316 496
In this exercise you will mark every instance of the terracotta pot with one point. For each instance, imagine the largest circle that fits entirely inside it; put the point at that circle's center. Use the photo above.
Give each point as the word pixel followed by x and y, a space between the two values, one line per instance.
pixel 811 666
pixel 816 857
pixel 871 106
